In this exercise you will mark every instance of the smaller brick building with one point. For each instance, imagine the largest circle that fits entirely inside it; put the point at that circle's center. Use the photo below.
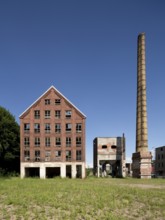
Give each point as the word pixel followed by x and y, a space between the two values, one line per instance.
pixel 52 132
pixel 109 156
pixel 160 161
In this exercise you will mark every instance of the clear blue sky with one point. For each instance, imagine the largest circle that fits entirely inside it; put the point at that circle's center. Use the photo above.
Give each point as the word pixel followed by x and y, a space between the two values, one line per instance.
pixel 88 50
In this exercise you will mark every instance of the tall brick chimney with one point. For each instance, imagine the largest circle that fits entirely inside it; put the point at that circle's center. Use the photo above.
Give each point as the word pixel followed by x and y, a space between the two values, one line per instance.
pixel 141 159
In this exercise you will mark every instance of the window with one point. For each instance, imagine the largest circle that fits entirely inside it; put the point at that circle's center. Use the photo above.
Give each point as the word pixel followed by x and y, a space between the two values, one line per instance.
pixel 47 101
pixel 78 127
pixel 37 141
pixel 78 154
pixel 47 128
pixel 27 155
pixel 37 155
pixel 68 114
pixel 57 114
pixel 58 141
pixel 47 113
pixel 68 141
pixel 68 155
pixel 26 128
pixel 37 128
pixel 37 114
pixel 113 146
pixel 78 141
pixel 57 128
pixel 68 127
pixel 57 153
pixel 47 141
pixel 57 101
pixel 26 141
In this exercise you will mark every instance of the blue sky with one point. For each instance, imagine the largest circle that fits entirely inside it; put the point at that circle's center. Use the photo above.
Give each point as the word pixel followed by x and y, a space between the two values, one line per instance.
pixel 88 50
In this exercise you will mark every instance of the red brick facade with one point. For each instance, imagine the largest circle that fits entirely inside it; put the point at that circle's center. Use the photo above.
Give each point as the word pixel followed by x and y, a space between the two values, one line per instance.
pixel 52 130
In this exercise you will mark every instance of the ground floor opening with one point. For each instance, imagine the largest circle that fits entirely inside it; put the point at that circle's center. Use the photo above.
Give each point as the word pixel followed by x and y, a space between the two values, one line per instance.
pixel 32 172
pixel 51 170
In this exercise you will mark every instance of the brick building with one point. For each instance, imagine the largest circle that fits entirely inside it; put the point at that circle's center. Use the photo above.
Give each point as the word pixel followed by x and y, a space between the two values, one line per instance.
pixel 160 161
pixel 52 132
pixel 109 156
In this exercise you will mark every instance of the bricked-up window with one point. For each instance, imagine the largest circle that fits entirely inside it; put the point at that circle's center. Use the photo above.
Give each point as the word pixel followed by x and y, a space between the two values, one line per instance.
pixel 47 101
pixel 78 141
pixel 58 141
pixel 27 155
pixel 26 127
pixel 68 114
pixel 68 141
pixel 37 128
pixel 37 142
pixel 47 141
pixel 37 155
pixel 57 114
pixel 57 101
pixel 47 113
pixel 37 114
pixel 47 155
pixel 26 141
pixel 57 153
pixel 57 128
pixel 47 128
pixel 78 154
pixel 68 127
pixel 78 127
pixel 68 155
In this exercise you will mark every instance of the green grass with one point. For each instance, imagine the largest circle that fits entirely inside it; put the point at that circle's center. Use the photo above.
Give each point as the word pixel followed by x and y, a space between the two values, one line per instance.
pixel 92 198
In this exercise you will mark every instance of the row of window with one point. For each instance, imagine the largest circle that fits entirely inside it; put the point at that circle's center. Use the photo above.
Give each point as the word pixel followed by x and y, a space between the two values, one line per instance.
pixel 56 101
pixel 47 128
pixel 57 154
pixel 58 141
pixel 68 114
pixel 160 156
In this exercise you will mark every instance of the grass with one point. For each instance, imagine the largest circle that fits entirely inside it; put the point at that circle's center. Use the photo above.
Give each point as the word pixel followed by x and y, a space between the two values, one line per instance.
pixel 76 199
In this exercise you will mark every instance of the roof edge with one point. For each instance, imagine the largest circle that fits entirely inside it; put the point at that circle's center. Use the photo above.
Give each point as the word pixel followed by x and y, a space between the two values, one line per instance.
pixel 52 87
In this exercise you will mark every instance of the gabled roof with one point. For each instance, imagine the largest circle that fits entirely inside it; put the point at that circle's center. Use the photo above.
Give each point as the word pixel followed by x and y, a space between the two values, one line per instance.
pixel 56 90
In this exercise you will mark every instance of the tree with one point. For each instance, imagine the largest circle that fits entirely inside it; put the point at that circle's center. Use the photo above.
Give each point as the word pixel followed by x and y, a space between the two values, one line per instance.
pixel 9 142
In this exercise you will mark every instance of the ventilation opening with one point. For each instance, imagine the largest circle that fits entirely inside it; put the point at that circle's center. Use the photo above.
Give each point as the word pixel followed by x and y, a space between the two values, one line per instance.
pixel 113 146
pixel 32 172
pixel 104 146
pixel 52 172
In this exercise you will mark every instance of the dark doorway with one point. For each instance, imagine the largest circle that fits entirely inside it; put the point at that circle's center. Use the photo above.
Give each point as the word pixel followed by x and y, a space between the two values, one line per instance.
pixel 68 171
pixel 79 171
pixel 32 172
pixel 52 172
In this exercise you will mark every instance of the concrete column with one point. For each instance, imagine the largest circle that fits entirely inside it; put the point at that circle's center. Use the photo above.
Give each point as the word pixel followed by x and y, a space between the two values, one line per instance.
pixel 63 170
pixel 42 171
pixel 74 171
pixel 83 171
pixel 98 169
pixel 22 171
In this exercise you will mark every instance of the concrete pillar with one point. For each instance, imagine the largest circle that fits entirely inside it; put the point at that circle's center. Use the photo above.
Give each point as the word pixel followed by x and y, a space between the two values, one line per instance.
pixel 98 169
pixel 22 171
pixel 83 171
pixel 74 171
pixel 63 170
pixel 42 171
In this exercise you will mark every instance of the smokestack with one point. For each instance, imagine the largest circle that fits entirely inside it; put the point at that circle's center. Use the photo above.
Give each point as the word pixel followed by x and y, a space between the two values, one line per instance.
pixel 141 111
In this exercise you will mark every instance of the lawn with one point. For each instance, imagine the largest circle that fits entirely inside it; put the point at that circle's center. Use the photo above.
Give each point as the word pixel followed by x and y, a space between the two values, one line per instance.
pixel 76 199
